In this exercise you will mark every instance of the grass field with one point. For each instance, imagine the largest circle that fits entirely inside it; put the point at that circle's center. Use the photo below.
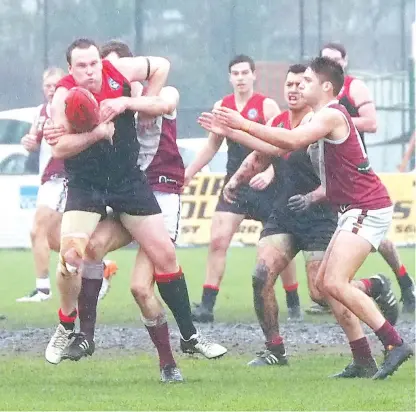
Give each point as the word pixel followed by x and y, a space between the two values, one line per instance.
pixel 117 381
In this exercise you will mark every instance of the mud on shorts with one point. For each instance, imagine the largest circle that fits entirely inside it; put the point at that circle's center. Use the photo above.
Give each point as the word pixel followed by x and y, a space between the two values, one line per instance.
pixel 310 234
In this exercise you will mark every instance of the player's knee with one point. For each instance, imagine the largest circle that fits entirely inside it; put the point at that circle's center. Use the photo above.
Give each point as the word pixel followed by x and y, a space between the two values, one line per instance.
pixel 316 296
pixel 165 260
pixel 260 279
pixel 71 254
pixel 96 248
pixel 330 287
pixel 219 243
pixel 141 292
pixel 386 247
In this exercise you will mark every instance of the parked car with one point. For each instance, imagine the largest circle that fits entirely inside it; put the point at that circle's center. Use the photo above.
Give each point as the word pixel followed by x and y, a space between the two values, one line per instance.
pixel 14 124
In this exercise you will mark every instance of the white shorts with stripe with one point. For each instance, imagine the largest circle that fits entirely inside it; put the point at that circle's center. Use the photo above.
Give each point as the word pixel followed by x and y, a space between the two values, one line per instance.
pixel 170 204
pixel 372 225
pixel 52 194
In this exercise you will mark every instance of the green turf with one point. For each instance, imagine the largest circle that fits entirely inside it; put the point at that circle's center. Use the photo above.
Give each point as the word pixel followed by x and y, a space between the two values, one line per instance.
pixel 110 381
pixel 234 300
pixel 130 383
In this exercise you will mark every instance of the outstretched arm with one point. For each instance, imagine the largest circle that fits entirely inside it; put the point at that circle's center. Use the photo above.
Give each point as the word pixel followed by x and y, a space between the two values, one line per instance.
pixel 321 125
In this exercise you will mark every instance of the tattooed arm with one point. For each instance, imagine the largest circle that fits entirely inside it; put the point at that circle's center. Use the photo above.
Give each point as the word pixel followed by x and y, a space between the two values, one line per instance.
pixel 253 164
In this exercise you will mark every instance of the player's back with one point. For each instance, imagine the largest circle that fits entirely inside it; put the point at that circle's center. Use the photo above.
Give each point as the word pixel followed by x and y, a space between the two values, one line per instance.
pixel 253 110
pixel 346 173
pixel 159 155
pixel 104 164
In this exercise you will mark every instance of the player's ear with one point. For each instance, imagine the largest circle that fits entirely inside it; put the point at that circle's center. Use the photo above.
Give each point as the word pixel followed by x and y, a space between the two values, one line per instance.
pixel 326 86
pixel 254 75
pixel 69 69
pixel 345 61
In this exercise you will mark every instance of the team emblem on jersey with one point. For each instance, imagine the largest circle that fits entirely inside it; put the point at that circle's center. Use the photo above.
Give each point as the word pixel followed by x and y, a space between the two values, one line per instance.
pixel 281 124
pixel 252 114
pixel 113 84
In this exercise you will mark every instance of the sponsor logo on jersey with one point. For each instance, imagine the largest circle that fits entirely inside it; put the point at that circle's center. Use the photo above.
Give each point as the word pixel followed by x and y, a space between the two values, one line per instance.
pixel 252 114
pixel 113 84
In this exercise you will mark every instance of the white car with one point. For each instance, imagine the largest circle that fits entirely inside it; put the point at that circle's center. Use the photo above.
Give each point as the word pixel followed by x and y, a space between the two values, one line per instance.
pixel 14 124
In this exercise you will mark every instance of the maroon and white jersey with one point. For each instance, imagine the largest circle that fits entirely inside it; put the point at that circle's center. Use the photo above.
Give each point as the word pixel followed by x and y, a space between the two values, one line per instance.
pixel 346 173
pixel 159 155
pixel 48 166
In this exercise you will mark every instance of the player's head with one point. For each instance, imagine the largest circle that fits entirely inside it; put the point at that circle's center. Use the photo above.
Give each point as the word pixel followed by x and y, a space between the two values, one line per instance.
pixel 242 73
pixel 115 49
pixel 292 94
pixel 84 63
pixel 322 81
pixel 51 77
pixel 336 52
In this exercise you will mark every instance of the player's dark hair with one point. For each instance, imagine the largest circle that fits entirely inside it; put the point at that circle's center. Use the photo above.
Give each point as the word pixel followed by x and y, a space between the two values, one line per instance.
pixel 334 46
pixel 115 46
pixel 296 69
pixel 79 44
pixel 242 58
pixel 328 71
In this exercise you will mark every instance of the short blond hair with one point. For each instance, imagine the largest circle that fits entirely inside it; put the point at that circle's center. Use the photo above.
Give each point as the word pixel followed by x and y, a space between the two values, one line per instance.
pixel 53 71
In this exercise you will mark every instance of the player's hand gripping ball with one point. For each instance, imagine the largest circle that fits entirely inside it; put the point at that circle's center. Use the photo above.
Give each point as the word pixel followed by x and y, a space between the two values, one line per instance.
pixel 82 110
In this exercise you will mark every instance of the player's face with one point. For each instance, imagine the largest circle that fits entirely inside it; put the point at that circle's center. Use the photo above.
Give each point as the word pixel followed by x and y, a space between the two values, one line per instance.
pixel 293 97
pixel 310 87
pixel 336 56
pixel 242 77
pixel 49 86
pixel 86 68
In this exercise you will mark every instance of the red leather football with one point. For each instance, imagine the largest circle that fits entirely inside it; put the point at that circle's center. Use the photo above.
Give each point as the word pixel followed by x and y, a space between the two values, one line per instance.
pixel 82 110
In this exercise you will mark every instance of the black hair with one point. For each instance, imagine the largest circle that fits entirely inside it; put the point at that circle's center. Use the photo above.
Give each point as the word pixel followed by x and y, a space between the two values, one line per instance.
pixel 242 58
pixel 82 43
pixel 328 71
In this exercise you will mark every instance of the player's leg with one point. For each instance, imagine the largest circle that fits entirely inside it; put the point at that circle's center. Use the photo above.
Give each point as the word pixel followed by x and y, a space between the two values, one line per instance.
pixel 76 229
pixel 275 251
pixel 350 248
pixel 388 250
pixel 153 316
pixel 223 226
pixel 47 223
pixel 141 216
pixel 108 236
pixel 290 285
pixel 363 364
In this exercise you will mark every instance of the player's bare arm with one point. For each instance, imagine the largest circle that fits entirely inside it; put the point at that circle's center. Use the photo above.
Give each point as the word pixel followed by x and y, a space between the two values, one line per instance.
pixel 137 69
pixel 209 123
pixel 206 154
pixel 263 179
pixel 70 144
pixel 29 140
pixel 327 123
pixel 367 115
pixel 252 165
pixel 165 103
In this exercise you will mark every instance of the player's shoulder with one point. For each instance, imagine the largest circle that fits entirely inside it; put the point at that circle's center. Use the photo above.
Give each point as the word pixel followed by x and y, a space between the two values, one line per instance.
pixel 282 116
pixel 66 82
pixel 218 103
